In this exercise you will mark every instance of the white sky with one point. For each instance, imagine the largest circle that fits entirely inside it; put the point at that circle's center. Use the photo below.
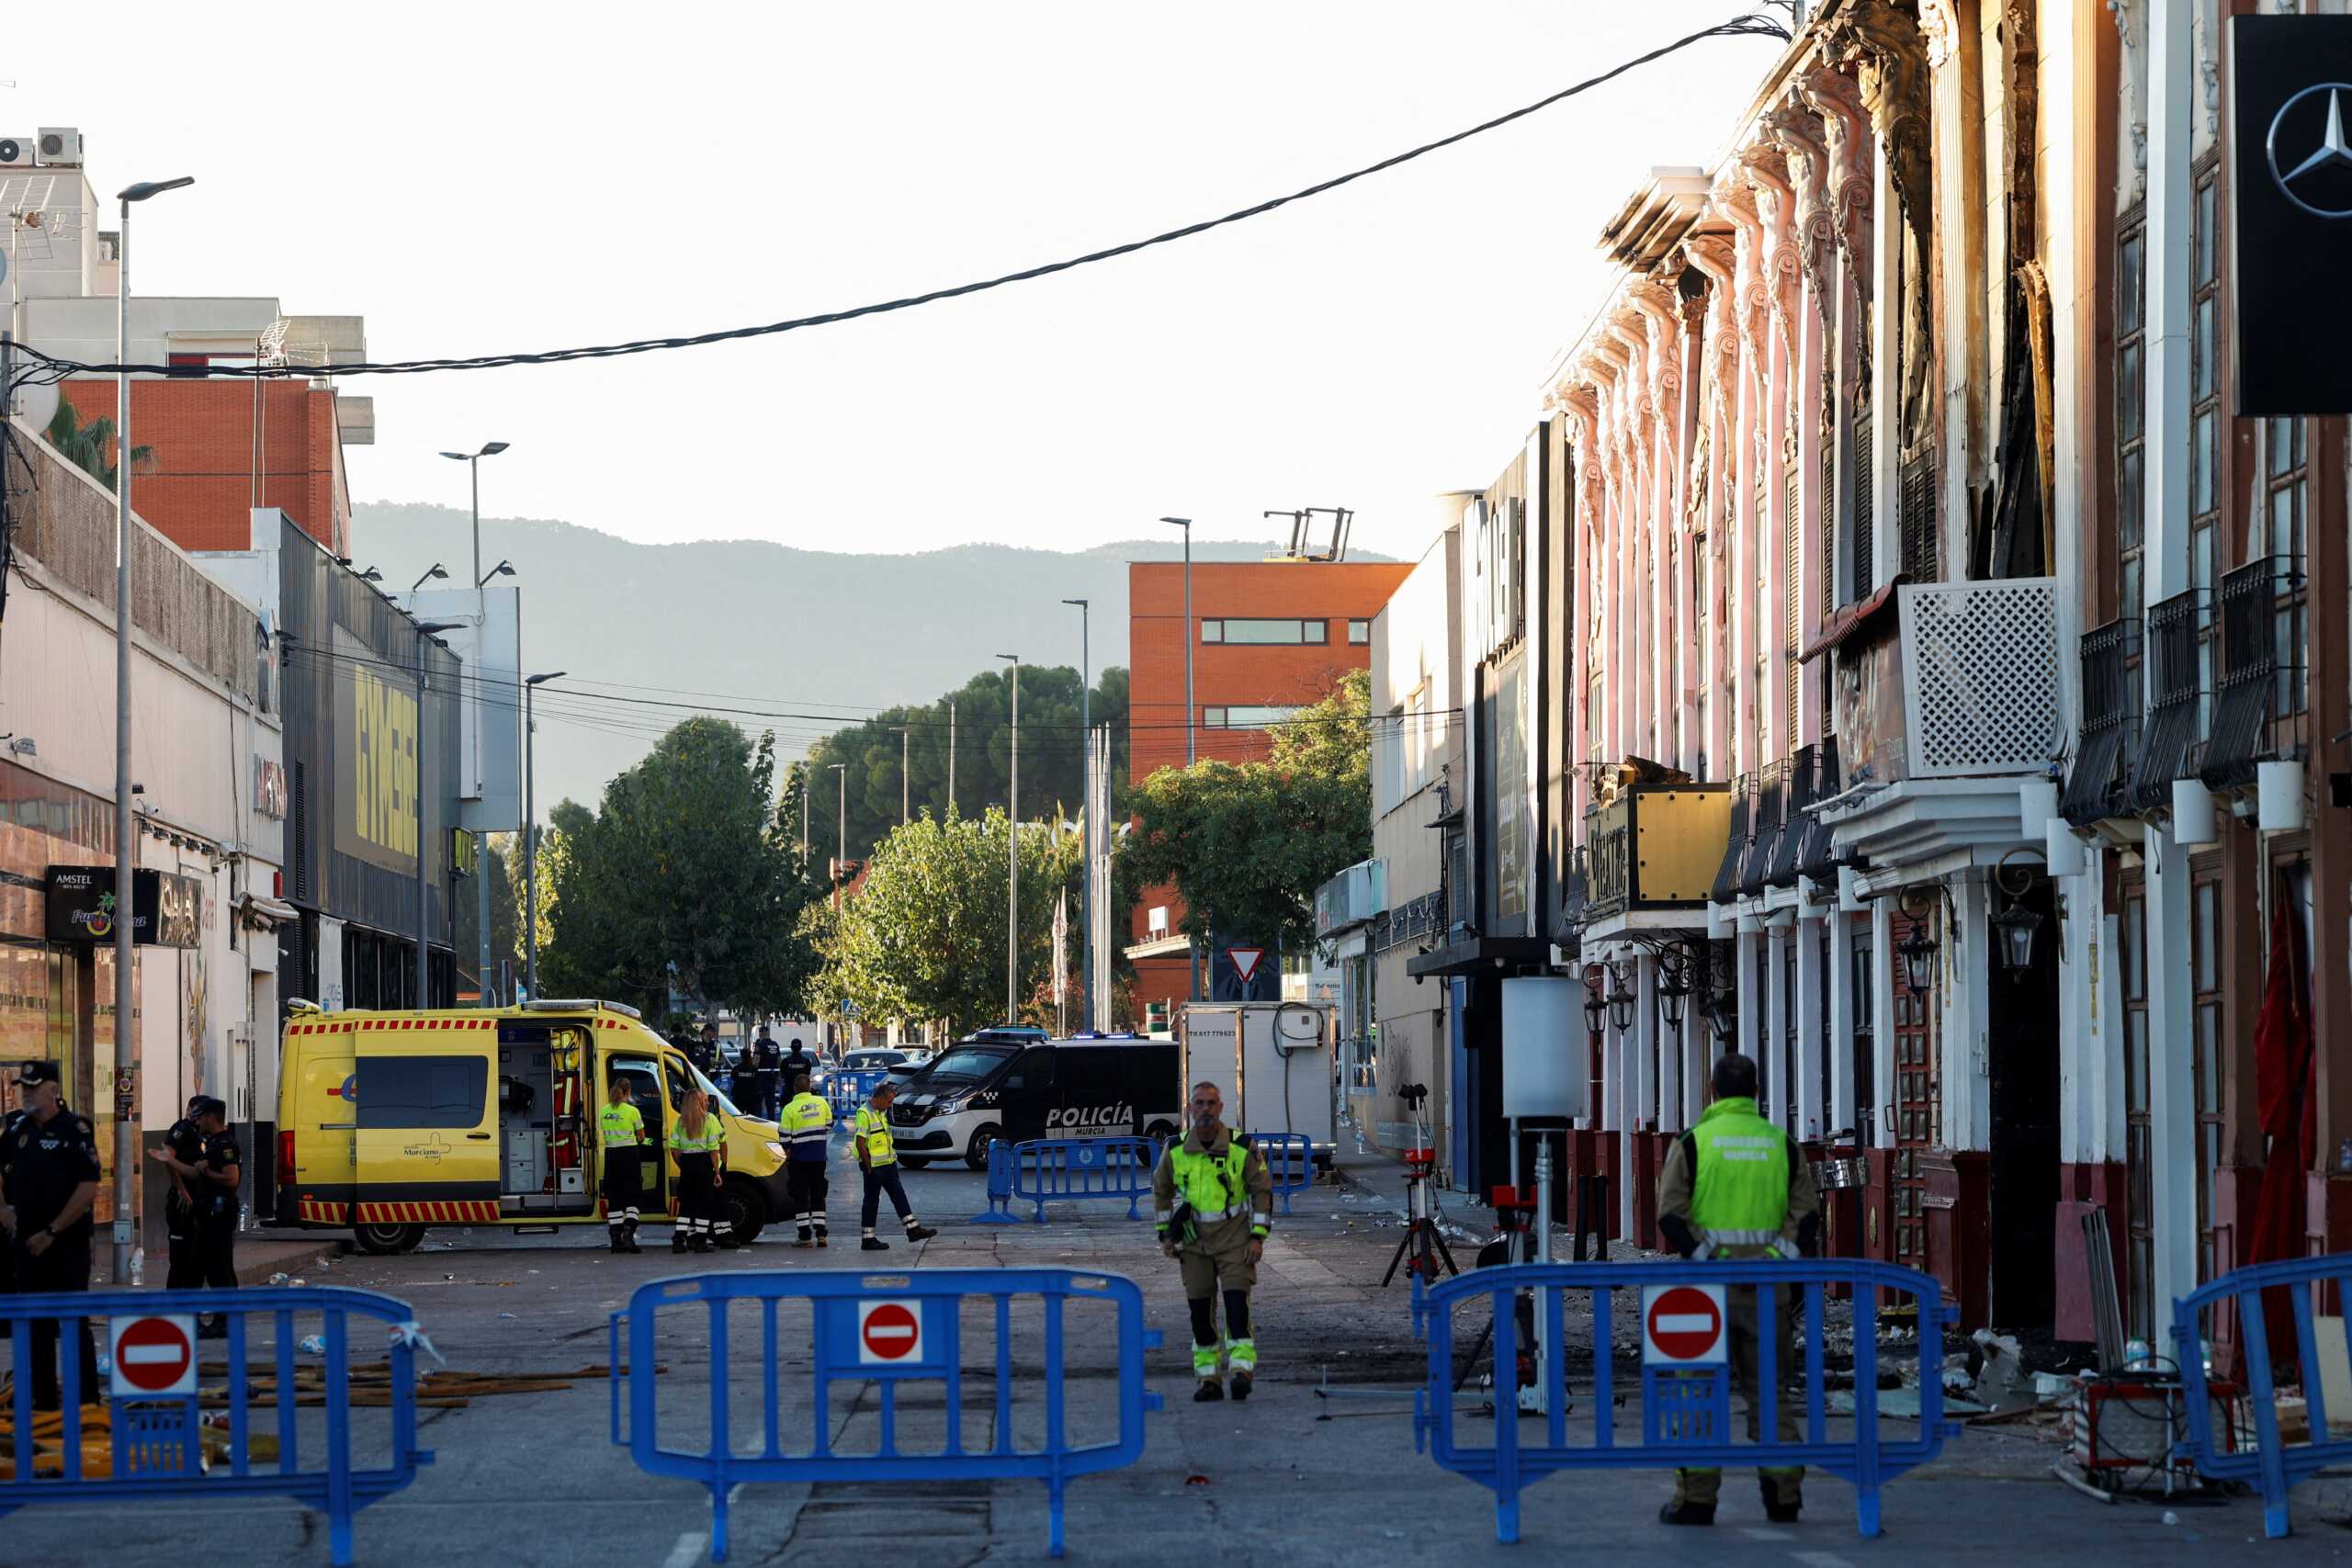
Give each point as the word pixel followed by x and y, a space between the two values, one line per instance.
pixel 501 177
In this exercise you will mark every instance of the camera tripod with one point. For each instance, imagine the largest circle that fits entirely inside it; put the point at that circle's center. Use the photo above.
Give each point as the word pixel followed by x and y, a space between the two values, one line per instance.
pixel 1422 1242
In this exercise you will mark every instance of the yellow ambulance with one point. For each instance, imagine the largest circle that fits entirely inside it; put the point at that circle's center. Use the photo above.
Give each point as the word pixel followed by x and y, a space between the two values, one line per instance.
pixel 392 1122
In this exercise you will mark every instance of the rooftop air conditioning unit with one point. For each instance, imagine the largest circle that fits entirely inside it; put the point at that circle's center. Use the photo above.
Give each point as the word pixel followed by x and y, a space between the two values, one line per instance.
pixel 16 152
pixel 60 144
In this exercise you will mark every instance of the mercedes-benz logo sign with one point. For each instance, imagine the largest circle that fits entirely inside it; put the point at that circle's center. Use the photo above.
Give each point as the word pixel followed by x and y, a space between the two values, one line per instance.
pixel 2312 163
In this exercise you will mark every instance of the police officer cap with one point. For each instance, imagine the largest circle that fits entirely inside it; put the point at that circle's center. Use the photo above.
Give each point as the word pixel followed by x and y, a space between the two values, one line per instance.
pixel 208 1105
pixel 32 1073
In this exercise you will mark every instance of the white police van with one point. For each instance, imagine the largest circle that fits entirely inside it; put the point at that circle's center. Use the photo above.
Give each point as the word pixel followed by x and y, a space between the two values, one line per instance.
pixel 1018 1084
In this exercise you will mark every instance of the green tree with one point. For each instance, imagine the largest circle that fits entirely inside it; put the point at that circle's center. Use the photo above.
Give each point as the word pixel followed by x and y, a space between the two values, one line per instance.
pixel 924 938
pixel 687 875
pixel 1053 753
pixel 501 864
pixel 89 447
pixel 1246 845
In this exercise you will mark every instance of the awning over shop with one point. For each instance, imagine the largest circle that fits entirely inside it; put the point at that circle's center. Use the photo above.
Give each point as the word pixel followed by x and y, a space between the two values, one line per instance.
pixel 1473 954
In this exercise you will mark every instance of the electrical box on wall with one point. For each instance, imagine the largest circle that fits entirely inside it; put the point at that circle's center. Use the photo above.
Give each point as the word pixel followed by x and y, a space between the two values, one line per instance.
pixel 1271 1061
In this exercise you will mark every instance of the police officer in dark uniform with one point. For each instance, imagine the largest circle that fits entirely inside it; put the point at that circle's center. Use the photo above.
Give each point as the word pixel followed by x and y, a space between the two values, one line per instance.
pixel 7 1243
pixel 210 1180
pixel 185 1142
pixel 47 1188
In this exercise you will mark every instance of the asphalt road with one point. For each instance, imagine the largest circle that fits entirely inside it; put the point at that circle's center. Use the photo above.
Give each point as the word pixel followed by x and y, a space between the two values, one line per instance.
pixel 1291 1477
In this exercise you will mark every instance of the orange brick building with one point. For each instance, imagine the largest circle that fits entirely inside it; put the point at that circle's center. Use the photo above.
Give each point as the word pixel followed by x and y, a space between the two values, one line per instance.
pixel 1267 638
pixel 208 470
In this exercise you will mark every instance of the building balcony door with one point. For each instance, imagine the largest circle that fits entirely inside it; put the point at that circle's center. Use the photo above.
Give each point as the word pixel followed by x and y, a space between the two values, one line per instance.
pixel 1914 1112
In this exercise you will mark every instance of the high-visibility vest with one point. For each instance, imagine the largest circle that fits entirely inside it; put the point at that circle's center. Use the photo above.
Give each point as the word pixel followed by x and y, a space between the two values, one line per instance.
pixel 808 1124
pixel 1212 1188
pixel 873 1133
pixel 1740 1176
pixel 704 1143
pixel 621 1123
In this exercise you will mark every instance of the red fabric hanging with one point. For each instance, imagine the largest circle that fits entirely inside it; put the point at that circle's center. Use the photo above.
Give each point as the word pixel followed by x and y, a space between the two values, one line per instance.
pixel 2282 1076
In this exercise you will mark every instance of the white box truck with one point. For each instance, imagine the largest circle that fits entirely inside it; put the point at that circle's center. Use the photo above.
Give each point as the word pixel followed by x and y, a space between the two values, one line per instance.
pixel 1272 1062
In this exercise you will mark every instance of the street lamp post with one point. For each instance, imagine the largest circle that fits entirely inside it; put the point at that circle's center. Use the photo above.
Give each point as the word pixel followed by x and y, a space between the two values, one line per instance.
pixel 424 951
pixel 473 463
pixel 1191 714
pixel 1086 887
pixel 531 834
pixel 126 842
pixel 472 460
pixel 1013 857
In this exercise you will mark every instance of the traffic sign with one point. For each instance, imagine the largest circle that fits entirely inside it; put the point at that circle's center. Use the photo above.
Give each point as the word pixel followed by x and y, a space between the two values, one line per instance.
pixel 154 1358
pixel 889 1332
pixel 1682 1324
pixel 1244 962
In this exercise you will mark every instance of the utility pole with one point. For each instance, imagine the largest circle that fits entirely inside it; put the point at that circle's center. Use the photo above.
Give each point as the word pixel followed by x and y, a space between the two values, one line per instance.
pixel 531 685
pixel 951 755
pixel 840 831
pixel 1191 714
pixel 425 630
pixel 1087 823
pixel 1012 858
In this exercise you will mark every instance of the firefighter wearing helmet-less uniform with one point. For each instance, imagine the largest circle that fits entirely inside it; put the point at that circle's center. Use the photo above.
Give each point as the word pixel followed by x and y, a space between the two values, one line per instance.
pixel 1736 1186
pixel 1212 1203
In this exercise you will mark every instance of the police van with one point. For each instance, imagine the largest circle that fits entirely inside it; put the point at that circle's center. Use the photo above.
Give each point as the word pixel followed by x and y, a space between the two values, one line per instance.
pixel 1017 1085
pixel 392 1122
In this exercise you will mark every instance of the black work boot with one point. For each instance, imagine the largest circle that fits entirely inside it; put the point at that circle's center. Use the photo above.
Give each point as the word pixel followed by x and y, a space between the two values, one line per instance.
pixel 1241 1385
pixel 1778 1512
pixel 921 1233
pixel 873 1244
pixel 1209 1391
pixel 677 1241
pixel 1687 1514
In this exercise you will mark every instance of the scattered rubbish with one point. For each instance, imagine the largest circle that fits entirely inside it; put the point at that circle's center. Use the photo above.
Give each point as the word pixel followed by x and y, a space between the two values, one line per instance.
pixel 2171 1517
pixel 297 1284
pixel 510 1314
pixel 2004 1384
pixel 139 1267
pixel 314 1345
pixel 106 1365
pixel 1196 1480
pixel 279 1278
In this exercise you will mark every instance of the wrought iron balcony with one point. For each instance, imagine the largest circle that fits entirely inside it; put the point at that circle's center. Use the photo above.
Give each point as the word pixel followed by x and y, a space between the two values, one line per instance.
pixel 1765 822
pixel 2110 728
pixel 2175 692
pixel 1790 848
pixel 1816 853
pixel 2248 713
pixel 1739 834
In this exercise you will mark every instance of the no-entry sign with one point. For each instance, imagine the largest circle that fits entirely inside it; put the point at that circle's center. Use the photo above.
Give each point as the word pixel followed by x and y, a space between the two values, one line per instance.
pixel 889 1332
pixel 1682 1324
pixel 154 1357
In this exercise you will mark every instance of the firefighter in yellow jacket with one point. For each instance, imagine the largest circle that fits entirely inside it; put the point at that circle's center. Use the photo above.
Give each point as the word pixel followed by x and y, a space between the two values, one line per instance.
pixel 1213 1200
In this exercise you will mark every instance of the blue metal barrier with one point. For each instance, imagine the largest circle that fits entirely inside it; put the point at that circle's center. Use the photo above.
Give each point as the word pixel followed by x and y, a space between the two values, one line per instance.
pixel 2272 1466
pixel 845 1092
pixel 161 1441
pixel 1289 1160
pixel 893 1330
pixel 1000 1209
pixel 1685 1405
pixel 1076 1168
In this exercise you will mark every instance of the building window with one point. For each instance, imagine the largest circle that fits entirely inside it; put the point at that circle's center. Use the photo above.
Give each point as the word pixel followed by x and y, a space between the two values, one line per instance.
pixel 1245 718
pixel 2281 531
pixel 2130 292
pixel 1263 632
pixel 2205 436
pixel 1359 634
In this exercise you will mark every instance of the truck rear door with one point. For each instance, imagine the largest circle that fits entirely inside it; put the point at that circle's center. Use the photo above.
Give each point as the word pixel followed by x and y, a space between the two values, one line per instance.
pixel 320 1112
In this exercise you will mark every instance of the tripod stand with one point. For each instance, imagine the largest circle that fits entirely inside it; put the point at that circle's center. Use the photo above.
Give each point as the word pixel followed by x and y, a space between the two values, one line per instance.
pixel 1422 1242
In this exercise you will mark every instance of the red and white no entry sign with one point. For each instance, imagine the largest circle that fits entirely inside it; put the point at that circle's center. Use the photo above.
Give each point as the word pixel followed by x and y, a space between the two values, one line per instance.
pixel 889 1332
pixel 1682 1323
pixel 154 1357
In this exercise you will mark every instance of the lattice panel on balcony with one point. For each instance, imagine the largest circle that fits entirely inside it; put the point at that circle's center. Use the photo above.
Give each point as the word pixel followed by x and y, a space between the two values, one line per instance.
pixel 1980 672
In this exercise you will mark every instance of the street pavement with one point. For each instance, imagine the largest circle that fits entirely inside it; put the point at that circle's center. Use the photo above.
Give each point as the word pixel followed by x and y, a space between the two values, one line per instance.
pixel 1293 1476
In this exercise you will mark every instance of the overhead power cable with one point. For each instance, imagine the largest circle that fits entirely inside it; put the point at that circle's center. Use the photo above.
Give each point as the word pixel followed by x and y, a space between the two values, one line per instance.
pixel 1752 25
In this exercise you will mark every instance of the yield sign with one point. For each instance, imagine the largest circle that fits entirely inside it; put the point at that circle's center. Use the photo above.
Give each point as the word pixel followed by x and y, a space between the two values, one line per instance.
pixel 152 1356
pixel 1682 1323
pixel 1244 962
pixel 888 1332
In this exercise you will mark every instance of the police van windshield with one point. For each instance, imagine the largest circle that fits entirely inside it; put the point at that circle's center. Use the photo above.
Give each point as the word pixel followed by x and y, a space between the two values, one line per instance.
pixel 968 1064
